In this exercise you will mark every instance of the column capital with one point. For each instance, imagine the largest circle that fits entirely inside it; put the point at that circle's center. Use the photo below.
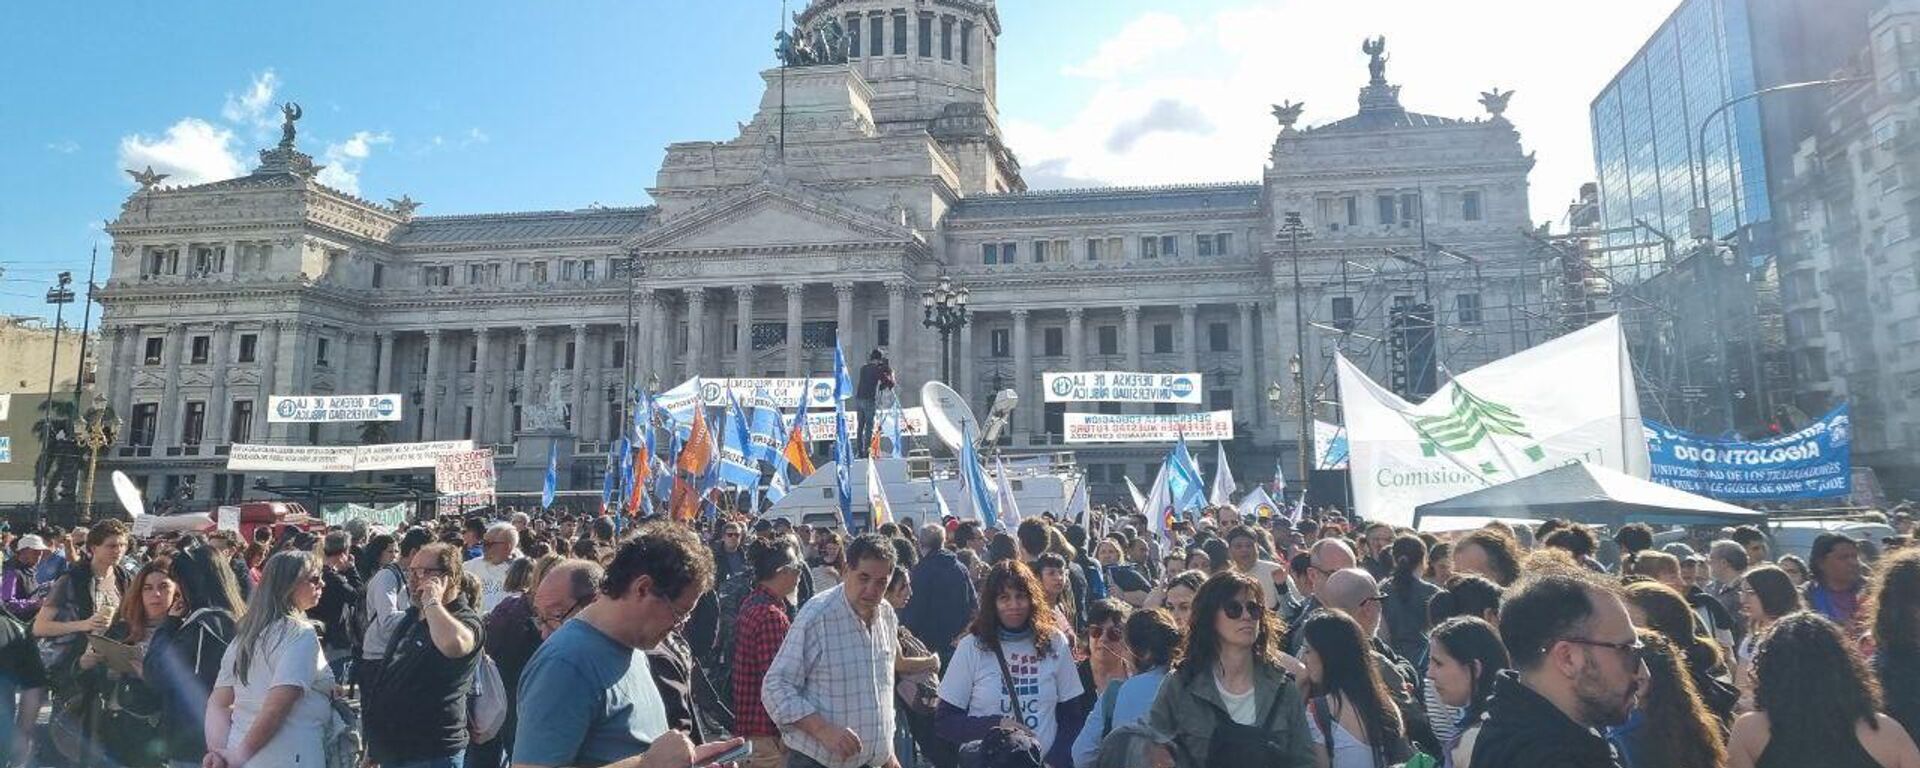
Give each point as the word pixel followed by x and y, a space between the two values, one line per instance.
pixel 579 329
pixel 530 330
pixel 1188 310
pixel 1075 313
pixel 843 289
pixel 1246 306
pixel 432 334
pixel 744 290
pixel 696 296
pixel 1020 314
pixel 1131 311
pixel 898 287
pixel 794 290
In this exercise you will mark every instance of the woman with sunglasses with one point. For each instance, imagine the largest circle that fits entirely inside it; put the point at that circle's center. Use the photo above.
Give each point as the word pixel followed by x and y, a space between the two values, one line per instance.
pixel 1229 701
pixel 1107 659
pixel 1465 658
pixel 1766 594
pixel 1014 666
pixel 760 627
pixel 1151 640
pixel 270 706
pixel 1809 680
pixel 1354 721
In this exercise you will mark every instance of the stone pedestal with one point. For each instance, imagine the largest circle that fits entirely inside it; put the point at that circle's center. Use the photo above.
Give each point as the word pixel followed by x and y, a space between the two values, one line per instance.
pixel 528 470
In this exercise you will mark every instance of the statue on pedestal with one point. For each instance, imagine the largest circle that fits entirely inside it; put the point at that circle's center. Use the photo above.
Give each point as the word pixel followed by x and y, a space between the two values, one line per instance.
pixel 1376 48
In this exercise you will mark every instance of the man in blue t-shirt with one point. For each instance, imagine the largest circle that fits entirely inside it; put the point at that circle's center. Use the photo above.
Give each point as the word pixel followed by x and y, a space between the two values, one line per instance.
pixel 590 682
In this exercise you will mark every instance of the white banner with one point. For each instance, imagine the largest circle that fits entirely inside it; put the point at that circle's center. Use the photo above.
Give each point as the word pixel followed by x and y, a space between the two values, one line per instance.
pixel 783 393
pixel 254 457
pixel 1121 387
pixel 1329 445
pixel 228 519
pixel 283 409
pixel 820 425
pixel 1570 399
pixel 464 472
pixel 6 406
pixel 386 516
pixel 1147 428
pixel 680 401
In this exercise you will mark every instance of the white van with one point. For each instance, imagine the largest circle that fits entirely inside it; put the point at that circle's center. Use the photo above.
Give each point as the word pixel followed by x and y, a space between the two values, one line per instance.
pixel 1795 537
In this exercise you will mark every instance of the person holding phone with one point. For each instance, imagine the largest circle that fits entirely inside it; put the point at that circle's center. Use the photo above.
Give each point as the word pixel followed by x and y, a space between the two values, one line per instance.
pixel 418 717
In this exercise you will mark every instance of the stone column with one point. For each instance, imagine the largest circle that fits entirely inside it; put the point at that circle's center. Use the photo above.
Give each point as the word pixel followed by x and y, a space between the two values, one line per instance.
pixel 1190 338
pixel 169 416
pixel 385 382
pixel 1130 339
pixel 120 368
pixel 531 334
pixel 964 368
pixel 796 295
pixel 482 338
pixel 269 349
pixel 660 342
pixel 696 332
pixel 897 348
pixel 843 318
pixel 580 380
pixel 640 337
pixel 1247 399
pixel 217 405
pixel 1023 373
pixel 743 334
pixel 430 430
pixel 1076 339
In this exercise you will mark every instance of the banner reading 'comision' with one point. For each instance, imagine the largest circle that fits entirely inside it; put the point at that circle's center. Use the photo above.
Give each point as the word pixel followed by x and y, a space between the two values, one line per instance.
pixel 1147 428
pixel 1813 463
pixel 1121 387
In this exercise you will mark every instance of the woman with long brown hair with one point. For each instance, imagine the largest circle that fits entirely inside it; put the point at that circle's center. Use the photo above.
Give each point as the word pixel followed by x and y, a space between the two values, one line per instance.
pixel 1014 666
pixel 1229 700
pixel 1892 614
pixel 1766 594
pixel 1656 606
pixel 1670 728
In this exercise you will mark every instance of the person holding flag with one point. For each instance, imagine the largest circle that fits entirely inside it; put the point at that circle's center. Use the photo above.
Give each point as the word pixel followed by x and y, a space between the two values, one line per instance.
pixel 843 448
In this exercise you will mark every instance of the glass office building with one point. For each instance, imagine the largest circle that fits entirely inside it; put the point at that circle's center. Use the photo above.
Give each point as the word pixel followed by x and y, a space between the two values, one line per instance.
pixel 1647 147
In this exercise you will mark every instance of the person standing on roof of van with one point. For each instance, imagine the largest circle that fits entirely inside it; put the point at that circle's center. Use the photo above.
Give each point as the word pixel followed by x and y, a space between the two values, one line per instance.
pixel 875 376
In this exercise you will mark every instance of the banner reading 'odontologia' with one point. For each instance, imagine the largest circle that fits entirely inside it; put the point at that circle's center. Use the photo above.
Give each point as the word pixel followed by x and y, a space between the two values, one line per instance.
pixel 1813 463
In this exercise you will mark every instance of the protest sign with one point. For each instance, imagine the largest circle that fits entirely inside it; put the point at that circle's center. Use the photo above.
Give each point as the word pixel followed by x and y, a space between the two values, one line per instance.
pixel 1121 387
pixel 1147 428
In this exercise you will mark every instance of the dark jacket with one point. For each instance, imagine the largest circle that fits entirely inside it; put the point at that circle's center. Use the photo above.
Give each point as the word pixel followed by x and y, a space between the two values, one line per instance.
pixel 182 663
pixel 1405 614
pixel 339 609
pixel 943 601
pixel 874 376
pixel 1524 730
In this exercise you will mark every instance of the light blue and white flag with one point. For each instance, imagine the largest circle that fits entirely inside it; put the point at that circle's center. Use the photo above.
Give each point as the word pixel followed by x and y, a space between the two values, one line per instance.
pixel 842 447
pixel 552 484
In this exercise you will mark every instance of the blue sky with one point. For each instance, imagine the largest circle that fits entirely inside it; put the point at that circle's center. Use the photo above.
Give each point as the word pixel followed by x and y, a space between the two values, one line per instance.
pixel 494 106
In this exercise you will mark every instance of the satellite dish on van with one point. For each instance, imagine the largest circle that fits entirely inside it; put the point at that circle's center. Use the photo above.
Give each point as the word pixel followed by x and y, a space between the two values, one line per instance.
pixel 128 494
pixel 948 417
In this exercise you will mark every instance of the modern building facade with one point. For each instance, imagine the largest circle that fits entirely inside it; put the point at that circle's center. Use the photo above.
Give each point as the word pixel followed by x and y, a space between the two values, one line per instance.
pixel 856 186
pixel 1849 261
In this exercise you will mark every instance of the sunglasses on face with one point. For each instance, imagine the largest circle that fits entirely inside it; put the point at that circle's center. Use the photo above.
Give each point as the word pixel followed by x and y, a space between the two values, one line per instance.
pixel 1236 609
pixel 1098 631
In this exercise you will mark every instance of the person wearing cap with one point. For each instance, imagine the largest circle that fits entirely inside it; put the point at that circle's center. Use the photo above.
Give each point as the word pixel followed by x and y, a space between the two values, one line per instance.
pixel 20 592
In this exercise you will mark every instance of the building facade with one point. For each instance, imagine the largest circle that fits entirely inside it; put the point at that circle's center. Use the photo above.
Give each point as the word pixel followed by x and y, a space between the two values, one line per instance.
pixel 857 185
pixel 1849 262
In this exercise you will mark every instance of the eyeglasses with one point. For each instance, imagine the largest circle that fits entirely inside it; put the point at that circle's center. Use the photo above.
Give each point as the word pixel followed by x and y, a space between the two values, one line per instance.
pixel 1098 631
pixel 1376 598
pixel 556 621
pixel 1235 609
pixel 1636 650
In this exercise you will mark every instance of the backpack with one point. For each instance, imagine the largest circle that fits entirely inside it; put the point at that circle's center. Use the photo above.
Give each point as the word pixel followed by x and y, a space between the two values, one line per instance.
pixel 1126 746
pixel 487 705
pixel 719 658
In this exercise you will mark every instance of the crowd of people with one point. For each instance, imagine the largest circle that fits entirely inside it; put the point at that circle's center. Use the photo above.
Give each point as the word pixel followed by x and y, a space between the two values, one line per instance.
pixel 544 640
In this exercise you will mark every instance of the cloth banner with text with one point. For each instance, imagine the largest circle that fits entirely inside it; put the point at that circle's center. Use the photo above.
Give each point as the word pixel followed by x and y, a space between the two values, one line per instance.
pixel 283 409
pixel 259 457
pixel 783 393
pixel 1569 399
pixel 1812 463
pixel 390 516
pixel 1147 428
pixel 464 473
pixel 1121 387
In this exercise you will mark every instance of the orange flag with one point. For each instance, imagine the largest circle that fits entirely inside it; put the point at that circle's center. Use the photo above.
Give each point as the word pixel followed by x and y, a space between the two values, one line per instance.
pixel 695 455
pixel 796 449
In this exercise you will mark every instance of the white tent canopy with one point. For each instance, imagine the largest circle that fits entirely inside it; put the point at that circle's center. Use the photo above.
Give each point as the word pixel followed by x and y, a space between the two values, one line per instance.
pixel 1587 493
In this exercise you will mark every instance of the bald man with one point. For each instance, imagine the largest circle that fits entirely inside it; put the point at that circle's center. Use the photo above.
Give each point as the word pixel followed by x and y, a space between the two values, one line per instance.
pixel 1355 592
pixel 1325 558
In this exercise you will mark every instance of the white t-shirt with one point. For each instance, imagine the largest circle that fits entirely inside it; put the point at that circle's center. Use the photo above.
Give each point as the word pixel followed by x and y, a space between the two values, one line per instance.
pixel 1263 571
pixel 1240 706
pixel 493 581
pixel 972 682
pixel 287 653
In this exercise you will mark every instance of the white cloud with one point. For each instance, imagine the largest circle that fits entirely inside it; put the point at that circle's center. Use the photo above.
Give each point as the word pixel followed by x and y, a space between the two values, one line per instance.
pixel 192 151
pixel 1225 71
pixel 345 159
pixel 1147 36
pixel 64 146
pixel 253 106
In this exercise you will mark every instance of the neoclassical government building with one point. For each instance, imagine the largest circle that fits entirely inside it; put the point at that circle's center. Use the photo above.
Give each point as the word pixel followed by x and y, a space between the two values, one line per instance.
pixel 855 186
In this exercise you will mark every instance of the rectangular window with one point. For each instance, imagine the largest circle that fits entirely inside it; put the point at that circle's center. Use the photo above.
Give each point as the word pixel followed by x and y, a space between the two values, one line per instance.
pixel 473 357
pixel 1009 253
pixel 476 274
pixel 883 332
pixel 466 426
pixel 586 270
pixel 876 34
pixel 1411 210
pixel 520 356
pixel 1220 399
pixel 1149 247
pixel 1162 338
pixel 539 271
pixel 619 353
pixel 1093 250
pixel 193 428
pixel 1470 205
pixel 1165 409
pixel 853 35
pixel 1054 418
pixel 989 253
pixel 140 430
pixel 946 38
pixel 900 34
pixel 379 275
pixel 438 276
pixel 1040 251
pixel 1213 245
pixel 155 346
pixel 1000 343
pixel 209 259
pixel 320 351
pixel 1170 246
pixel 1343 312
pixel 571 359
pixel 1353 210
pixel 1466 308
pixel 1203 246
pixel 966 42
pixel 1109 339
pixel 249 347
pixel 569 269
pixel 198 352
pixel 1385 204
pixel 926 36
pixel 1053 342
pixel 1217 337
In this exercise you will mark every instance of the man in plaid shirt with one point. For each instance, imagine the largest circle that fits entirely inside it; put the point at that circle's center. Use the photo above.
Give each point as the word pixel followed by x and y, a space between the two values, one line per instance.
pixel 760 627
pixel 830 688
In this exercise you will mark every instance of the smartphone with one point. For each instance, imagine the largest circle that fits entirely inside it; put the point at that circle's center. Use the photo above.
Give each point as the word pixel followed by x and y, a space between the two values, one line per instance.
pixel 734 755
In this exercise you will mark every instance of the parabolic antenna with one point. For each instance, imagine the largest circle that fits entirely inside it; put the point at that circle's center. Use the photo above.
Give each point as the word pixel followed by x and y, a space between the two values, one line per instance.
pixel 947 414
pixel 128 494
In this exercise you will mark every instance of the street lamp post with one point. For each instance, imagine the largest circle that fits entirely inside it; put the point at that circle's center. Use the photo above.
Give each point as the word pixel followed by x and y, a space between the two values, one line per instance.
pixel 1295 229
pixel 60 295
pixel 944 309
pixel 98 433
